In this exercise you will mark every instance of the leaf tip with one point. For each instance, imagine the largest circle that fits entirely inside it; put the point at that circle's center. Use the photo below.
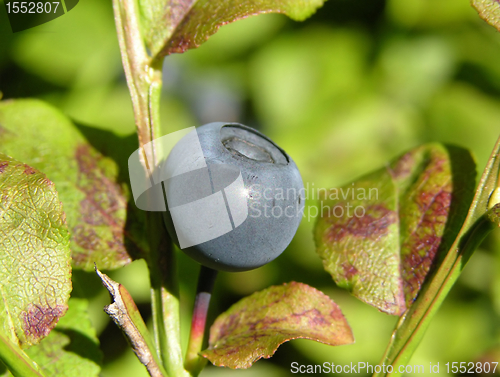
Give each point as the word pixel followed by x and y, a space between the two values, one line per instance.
pixel 38 320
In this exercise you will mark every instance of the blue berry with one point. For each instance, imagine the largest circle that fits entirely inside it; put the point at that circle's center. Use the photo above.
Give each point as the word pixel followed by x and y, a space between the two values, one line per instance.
pixel 235 198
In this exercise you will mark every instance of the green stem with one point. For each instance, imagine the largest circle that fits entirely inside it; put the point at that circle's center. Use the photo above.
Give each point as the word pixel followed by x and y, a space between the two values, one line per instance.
pixel 194 362
pixel 413 324
pixel 19 364
pixel 144 79
pixel 154 97
pixel 165 296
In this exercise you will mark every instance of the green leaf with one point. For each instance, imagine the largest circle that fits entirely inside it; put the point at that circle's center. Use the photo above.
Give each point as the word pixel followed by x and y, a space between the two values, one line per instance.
pixel 489 10
pixel 72 348
pixel 16 360
pixel 380 236
pixel 255 326
pixel 35 270
pixel 176 26
pixel 105 228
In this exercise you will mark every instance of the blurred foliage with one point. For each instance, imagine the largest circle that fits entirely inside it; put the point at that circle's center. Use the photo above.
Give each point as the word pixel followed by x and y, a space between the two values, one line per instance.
pixel 344 92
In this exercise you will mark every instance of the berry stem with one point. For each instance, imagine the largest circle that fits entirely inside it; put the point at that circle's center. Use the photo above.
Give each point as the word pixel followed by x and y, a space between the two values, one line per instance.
pixel 194 363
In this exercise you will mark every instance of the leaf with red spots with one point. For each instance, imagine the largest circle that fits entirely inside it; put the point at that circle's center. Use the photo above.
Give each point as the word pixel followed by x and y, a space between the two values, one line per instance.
pixel 482 217
pixel 489 10
pixel 104 227
pixel 35 269
pixel 381 235
pixel 72 348
pixel 254 327
pixel 176 26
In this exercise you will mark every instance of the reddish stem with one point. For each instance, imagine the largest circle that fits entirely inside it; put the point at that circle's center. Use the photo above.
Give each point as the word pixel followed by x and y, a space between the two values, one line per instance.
pixel 194 363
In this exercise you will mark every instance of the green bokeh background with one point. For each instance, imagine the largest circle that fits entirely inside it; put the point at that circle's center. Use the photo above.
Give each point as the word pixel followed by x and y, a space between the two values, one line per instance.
pixel 352 87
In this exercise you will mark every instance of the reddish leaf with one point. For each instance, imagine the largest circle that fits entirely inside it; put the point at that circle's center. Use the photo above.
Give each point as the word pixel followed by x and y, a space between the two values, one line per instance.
pixel 255 326
pixel 175 26
pixel 380 236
